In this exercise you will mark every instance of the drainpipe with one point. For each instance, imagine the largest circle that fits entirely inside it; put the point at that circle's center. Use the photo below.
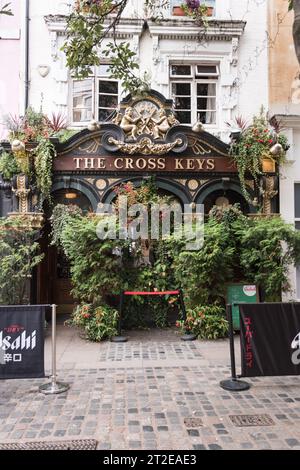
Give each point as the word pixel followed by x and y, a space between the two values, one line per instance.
pixel 27 20
pixel 296 30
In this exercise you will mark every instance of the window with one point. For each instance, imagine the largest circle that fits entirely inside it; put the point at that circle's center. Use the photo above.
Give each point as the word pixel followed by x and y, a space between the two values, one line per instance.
pixel 297 225
pixel 194 91
pixel 82 100
pixel 96 97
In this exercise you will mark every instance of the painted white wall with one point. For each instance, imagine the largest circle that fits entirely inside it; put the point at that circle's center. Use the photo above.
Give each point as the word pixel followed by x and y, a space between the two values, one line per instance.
pixel 243 86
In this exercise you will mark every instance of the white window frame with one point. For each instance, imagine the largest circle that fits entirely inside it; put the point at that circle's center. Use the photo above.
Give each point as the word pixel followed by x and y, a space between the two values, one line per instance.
pixel 194 79
pixel 95 78
pixel 106 79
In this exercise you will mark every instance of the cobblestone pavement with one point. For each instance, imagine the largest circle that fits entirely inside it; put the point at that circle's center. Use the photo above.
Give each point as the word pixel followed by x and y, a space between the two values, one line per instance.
pixel 143 394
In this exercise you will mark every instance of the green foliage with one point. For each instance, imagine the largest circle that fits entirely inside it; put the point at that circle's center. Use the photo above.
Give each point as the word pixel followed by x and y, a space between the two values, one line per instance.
pixel 291 4
pixel 59 219
pixel 95 264
pixel 44 153
pixel 19 255
pixel 98 322
pixel 206 322
pixel 123 63
pixel 8 166
pixel 203 274
pixel 5 10
pixel 268 248
pixel 253 146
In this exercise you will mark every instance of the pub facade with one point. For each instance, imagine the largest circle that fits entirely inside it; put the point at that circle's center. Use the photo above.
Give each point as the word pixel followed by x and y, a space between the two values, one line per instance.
pixel 142 140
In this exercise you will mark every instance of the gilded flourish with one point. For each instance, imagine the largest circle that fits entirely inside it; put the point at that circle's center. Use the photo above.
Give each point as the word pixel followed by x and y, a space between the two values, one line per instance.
pixel 91 147
pixel 145 146
pixel 22 193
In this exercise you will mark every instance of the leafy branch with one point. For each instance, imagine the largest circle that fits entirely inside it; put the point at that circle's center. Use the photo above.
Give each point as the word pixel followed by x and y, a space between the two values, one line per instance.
pixel 5 10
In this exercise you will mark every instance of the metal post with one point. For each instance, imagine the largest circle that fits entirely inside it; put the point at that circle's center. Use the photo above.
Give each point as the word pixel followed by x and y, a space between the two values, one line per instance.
pixel 233 384
pixel 188 336
pixel 53 387
pixel 120 338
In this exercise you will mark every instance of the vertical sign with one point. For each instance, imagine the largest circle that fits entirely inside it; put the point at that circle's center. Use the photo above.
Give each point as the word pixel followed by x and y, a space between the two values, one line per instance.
pixel 270 339
pixel 22 342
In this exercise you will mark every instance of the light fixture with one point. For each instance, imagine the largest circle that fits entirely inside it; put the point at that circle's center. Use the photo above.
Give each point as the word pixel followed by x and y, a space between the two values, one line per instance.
pixel 268 165
pixel 71 196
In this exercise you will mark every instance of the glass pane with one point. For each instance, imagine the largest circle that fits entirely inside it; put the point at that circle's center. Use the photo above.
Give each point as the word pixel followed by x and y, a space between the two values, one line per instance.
pixel 108 101
pixel 82 100
pixel 183 89
pixel 206 69
pixel 297 225
pixel 207 117
pixel 181 70
pixel 108 87
pixel 206 103
pixel 184 117
pixel 105 113
pixel 297 201
pixel 206 89
pixel 82 115
pixel 183 103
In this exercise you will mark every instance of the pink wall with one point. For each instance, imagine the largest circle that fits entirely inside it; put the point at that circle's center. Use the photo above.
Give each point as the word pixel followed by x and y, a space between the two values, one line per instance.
pixel 10 60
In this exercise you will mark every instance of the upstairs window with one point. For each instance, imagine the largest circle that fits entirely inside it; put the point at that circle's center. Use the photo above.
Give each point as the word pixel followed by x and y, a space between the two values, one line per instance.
pixel 194 92
pixel 95 97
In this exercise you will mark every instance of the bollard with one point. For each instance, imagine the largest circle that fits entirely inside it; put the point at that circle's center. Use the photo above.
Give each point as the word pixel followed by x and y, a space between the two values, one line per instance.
pixel 233 384
pixel 53 387
pixel 120 338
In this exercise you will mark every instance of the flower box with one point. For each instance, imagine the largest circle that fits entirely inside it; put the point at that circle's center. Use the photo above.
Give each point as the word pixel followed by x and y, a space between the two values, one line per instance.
pixel 179 11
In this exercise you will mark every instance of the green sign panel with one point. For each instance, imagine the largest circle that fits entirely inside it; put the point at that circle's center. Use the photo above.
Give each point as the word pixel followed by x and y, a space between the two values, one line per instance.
pixel 240 293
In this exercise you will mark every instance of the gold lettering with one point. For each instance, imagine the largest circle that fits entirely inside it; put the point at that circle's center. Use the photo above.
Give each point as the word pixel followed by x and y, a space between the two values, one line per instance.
pixel 211 164
pixel 89 163
pixel 161 163
pixel 190 164
pixel 129 163
pixel 200 163
pixel 101 164
pixel 116 163
pixel 178 164
pixel 151 164
pixel 77 161
pixel 141 163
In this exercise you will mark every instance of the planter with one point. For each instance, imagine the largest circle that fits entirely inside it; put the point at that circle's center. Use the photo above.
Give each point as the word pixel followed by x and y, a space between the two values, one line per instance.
pixel 178 11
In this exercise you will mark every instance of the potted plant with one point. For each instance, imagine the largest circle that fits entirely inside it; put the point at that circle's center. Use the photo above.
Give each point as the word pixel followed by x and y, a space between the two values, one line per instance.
pixel 259 149
pixel 194 8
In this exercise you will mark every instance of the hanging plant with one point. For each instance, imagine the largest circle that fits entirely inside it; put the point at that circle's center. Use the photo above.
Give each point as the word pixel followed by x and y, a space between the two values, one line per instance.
pixel 8 166
pixel 43 157
pixel 256 143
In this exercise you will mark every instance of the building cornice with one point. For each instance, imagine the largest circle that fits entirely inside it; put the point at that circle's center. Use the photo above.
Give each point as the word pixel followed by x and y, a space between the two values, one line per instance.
pixel 183 28
pixel 127 28
pixel 187 29
pixel 291 121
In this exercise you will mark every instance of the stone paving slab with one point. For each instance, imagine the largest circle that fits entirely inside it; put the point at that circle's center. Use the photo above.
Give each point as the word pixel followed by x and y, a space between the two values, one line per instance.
pixel 142 394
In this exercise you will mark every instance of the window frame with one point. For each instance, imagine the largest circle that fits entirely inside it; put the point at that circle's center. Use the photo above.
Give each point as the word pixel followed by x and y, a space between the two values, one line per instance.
pixel 296 219
pixel 95 79
pixel 194 79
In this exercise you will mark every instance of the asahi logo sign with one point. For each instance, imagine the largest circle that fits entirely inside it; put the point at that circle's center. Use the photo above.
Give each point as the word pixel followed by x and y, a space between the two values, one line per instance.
pixel 296 354
pixel 21 342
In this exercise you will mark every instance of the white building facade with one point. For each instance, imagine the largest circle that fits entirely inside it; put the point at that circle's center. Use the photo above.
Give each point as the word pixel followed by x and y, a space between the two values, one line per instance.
pixel 216 77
